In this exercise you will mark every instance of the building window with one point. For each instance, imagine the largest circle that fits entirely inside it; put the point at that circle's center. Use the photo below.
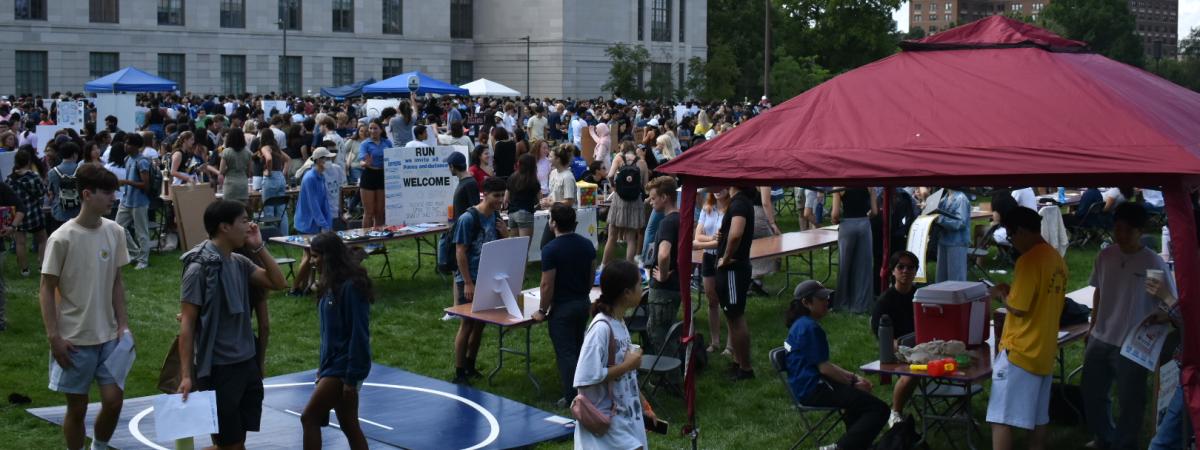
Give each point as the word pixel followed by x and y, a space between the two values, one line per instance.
pixel 461 72
pixel 289 74
pixel 102 63
pixel 393 17
pixel 343 71
pixel 233 74
pixel 170 12
pixel 917 18
pixel 660 21
pixel 916 6
pixel 682 75
pixel 947 18
pixel 1038 6
pixel 641 19
pixel 682 20
pixel 31 73
pixel 1018 7
pixel 660 79
pixel 343 16
pixel 462 19
pixel 103 11
pixel 949 7
pixel 29 9
pixel 933 17
pixel 392 67
pixel 932 29
pixel 171 67
pixel 290 14
pixel 233 13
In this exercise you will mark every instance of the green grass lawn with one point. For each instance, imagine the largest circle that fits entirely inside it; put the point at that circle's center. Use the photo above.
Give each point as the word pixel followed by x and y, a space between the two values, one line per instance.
pixel 407 333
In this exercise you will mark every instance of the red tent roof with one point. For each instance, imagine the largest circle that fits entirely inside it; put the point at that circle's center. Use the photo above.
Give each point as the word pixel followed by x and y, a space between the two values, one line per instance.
pixel 995 102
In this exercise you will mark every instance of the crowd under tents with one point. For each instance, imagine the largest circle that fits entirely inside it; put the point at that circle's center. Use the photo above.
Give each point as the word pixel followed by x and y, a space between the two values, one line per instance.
pixel 993 103
pixel 129 79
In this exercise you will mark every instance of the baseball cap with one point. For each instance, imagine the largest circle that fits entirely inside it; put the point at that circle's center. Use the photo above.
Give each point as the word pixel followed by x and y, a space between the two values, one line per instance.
pixel 811 288
pixel 456 159
pixel 321 152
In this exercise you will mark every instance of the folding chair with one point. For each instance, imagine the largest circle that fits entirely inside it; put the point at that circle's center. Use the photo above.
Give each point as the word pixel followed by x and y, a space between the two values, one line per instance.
pixel 1090 227
pixel 270 225
pixel 828 417
pixel 386 270
pixel 636 322
pixel 668 361
pixel 980 251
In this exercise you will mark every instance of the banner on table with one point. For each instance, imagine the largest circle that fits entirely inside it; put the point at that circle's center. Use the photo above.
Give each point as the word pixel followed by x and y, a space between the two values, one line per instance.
pixel 375 107
pixel 121 106
pixel 418 186
pixel 70 114
pixel 280 107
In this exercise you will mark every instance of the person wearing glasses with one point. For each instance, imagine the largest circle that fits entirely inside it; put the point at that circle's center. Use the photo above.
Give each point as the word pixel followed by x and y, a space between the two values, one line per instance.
pixel 897 304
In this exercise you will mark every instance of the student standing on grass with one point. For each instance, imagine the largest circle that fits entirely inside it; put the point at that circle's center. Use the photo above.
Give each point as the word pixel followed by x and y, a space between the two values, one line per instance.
pixel 815 381
pixel 27 183
pixel 897 304
pixel 707 235
pixel 480 225
pixel 664 280
pixel 215 291
pixel 314 214
pixel 133 214
pixel 733 274
pixel 466 195
pixel 565 293
pixel 1022 371
pixel 82 299
pixel 1120 304
pixel 344 307
pixel 613 386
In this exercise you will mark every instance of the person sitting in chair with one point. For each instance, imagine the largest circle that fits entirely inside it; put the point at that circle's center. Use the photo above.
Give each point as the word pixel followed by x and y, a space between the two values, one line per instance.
pixel 815 381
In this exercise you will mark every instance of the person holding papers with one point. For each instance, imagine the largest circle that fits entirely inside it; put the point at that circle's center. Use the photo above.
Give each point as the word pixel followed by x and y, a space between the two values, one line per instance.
pixel 345 310
pixel 1174 425
pixel 1022 371
pixel 221 355
pixel 1119 306
pixel 82 299
pixel 479 225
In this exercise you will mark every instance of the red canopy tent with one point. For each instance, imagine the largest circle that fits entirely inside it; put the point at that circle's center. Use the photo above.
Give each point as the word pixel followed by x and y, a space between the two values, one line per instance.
pixel 993 103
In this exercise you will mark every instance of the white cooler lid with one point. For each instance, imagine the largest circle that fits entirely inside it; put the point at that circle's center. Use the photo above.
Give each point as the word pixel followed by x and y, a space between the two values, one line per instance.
pixel 951 293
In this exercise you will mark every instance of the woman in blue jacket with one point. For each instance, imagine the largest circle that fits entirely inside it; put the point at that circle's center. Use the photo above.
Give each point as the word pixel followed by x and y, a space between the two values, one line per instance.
pixel 344 307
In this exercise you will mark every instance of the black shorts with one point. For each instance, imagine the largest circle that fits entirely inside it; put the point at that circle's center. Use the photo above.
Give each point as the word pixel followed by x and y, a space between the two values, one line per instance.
pixel 372 179
pixel 239 399
pixel 732 284
pixel 708 266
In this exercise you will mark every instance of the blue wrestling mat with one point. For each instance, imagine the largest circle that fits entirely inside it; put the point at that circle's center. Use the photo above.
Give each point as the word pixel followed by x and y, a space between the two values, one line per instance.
pixel 397 409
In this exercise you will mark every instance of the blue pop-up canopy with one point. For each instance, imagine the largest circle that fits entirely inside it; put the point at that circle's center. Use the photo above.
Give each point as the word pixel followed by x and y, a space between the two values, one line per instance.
pixel 129 79
pixel 351 90
pixel 399 85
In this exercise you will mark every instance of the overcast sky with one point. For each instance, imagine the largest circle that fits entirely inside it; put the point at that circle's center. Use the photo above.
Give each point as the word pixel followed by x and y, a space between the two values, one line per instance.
pixel 1189 17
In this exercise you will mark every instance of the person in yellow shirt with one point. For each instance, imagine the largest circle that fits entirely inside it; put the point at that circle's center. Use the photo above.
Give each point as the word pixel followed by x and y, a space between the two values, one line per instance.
pixel 1022 371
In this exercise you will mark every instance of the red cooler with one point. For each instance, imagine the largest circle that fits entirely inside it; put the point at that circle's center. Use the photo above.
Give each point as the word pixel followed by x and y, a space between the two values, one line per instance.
pixel 951 310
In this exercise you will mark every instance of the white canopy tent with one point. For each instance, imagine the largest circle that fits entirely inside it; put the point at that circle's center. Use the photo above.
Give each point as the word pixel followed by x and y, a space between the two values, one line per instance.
pixel 488 88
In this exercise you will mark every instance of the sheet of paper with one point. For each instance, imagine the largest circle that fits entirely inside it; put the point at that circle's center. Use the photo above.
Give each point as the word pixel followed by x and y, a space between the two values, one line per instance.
pixel 1144 343
pixel 918 242
pixel 176 419
pixel 1168 382
pixel 121 360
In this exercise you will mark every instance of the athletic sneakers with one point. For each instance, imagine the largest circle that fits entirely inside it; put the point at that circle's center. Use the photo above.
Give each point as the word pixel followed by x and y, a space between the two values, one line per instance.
pixel 894 419
pixel 829 447
pixel 448 317
pixel 141 266
pixel 25 272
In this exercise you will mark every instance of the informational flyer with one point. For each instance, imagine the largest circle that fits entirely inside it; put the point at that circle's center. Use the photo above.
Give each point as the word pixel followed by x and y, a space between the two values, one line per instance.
pixel 1145 343
pixel 918 242
pixel 280 107
pixel 70 114
pixel 417 183
pixel 1168 382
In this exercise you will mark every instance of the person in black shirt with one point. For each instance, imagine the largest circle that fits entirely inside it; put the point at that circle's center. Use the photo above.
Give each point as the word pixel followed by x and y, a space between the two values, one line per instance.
pixel 897 304
pixel 664 282
pixel 566 285
pixel 504 153
pixel 466 195
pixel 523 195
pixel 733 274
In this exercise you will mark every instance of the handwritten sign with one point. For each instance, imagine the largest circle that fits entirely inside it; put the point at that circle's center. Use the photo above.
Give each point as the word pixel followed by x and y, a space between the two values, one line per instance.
pixel 417 183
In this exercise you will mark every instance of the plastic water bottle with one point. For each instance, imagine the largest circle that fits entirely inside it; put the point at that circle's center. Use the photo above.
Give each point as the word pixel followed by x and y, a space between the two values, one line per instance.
pixel 1062 195
pixel 887 354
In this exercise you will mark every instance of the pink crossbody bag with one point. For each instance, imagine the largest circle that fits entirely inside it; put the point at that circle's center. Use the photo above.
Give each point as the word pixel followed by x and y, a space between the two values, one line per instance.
pixel 586 413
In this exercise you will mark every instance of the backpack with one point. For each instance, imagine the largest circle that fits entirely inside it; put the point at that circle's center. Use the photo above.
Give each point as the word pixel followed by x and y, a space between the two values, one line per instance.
pixel 902 436
pixel 447 256
pixel 154 182
pixel 628 182
pixel 68 191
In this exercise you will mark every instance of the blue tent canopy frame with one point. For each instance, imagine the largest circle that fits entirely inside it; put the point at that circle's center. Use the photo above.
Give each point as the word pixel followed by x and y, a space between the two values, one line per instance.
pixel 399 85
pixel 351 90
pixel 130 79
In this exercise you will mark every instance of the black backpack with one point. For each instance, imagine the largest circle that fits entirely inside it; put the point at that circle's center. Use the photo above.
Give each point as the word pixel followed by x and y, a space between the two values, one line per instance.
pixel 68 190
pixel 447 256
pixel 628 182
pixel 155 181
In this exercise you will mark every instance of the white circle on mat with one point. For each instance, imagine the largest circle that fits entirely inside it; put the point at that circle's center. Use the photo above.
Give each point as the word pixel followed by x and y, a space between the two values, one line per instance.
pixel 135 428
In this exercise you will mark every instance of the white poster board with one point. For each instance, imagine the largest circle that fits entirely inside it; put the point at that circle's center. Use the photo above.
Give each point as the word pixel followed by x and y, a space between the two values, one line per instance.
pixel 280 107
pixel 375 107
pixel 418 186
pixel 70 114
pixel 7 161
pixel 121 106
pixel 585 225
pixel 500 276
pixel 918 242
pixel 45 133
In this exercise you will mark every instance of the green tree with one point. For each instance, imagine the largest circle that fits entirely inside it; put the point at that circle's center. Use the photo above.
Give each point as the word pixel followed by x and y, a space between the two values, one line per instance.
pixel 1189 47
pixel 660 86
pixel 1106 25
pixel 628 62
pixel 842 34
pixel 721 73
pixel 736 25
pixel 696 78
pixel 792 76
pixel 915 33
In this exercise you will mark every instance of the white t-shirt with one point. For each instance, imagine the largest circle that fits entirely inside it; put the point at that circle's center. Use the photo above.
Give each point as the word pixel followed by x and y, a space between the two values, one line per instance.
pixel 537 127
pixel 627 429
pixel 120 173
pixel 562 185
pixel 710 224
pixel 1025 198
pixel 1120 282
pixel 335 178
pixel 86 262
pixel 464 140
pixel 150 152
pixel 1113 193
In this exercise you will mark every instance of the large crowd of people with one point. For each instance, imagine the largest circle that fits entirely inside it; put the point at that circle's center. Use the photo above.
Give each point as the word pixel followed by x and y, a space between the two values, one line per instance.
pixel 97 191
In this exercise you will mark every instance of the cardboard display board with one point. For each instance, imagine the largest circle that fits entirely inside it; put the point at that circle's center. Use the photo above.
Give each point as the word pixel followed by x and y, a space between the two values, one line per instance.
pixel 585 225
pixel 418 186
pixel 122 106
pixel 189 201
pixel 589 146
